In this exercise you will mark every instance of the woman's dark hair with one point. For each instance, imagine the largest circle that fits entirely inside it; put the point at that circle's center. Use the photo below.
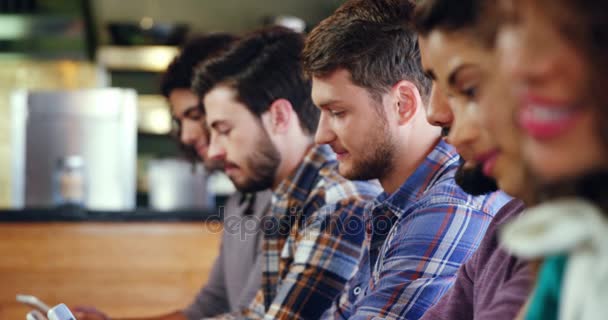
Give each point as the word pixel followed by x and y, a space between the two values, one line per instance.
pixel 446 15
pixel 472 16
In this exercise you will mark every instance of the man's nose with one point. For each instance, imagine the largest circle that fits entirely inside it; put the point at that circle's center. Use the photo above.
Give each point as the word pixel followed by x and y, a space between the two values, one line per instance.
pixel 324 134
pixel 215 151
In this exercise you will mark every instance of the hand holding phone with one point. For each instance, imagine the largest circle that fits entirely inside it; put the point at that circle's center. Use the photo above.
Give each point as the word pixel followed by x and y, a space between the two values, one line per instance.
pixel 60 312
pixel 35 315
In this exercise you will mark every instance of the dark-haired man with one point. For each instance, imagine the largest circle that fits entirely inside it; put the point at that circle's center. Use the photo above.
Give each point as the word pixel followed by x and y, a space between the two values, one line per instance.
pixel 456 54
pixel 188 120
pixel 262 124
pixel 236 273
pixel 370 87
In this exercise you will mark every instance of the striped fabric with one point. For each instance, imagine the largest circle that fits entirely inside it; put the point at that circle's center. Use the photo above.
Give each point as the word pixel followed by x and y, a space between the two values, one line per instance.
pixel 312 240
pixel 416 239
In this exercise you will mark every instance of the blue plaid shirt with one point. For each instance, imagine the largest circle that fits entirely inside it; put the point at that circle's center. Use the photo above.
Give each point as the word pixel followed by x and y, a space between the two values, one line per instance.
pixel 312 240
pixel 416 239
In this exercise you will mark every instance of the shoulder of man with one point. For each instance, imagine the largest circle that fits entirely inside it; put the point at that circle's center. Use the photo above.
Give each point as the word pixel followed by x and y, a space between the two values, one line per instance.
pixel 445 192
pixel 333 188
pixel 336 201
pixel 238 203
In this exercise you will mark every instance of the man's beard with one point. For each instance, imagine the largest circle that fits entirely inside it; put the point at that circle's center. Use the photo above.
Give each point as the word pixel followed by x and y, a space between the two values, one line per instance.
pixel 473 181
pixel 263 163
pixel 376 164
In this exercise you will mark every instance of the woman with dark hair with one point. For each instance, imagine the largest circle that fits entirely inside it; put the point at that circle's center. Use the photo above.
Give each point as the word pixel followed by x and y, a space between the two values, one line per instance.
pixel 458 54
pixel 553 56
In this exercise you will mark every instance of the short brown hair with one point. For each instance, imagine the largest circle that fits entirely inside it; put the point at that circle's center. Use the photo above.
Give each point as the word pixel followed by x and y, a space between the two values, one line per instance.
pixel 372 39
pixel 262 67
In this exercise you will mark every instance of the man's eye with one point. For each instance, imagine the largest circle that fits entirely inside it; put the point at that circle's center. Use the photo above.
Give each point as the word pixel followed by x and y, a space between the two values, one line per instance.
pixel 196 116
pixel 194 113
pixel 336 114
pixel 224 132
pixel 470 92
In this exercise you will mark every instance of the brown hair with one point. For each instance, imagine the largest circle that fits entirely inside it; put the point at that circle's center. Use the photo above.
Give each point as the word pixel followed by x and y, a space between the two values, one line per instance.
pixel 371 39
pixel 181 70
pixel 262 67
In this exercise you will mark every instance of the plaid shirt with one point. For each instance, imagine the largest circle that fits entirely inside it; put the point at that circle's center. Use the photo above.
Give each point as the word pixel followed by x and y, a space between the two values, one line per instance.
pixel 312 240
pixel 415 241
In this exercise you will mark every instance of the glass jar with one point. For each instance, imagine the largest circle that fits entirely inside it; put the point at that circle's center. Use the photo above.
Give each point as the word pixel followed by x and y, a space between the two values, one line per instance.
pixel 70 185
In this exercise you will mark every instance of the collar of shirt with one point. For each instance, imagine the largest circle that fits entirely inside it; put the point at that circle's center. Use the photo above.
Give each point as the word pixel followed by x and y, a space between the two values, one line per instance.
pixel 387 209
pixel 439 161
pixel 294 190
pixel 287 209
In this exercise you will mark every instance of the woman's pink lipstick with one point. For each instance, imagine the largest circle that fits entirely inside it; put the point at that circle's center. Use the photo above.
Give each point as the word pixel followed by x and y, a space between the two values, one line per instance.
pixel 543 119
pixel 488 162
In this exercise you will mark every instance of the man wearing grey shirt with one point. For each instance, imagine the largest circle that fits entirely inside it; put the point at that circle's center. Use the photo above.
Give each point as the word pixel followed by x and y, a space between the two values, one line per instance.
pixel 236 273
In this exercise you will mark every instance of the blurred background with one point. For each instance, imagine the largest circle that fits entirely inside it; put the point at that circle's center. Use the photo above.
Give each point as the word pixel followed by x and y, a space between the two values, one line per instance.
pixel 67 45
pixel 97 205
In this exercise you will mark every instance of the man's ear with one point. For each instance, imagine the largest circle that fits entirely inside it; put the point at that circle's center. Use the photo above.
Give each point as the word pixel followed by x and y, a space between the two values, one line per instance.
pixel 407 100
pixel 280 116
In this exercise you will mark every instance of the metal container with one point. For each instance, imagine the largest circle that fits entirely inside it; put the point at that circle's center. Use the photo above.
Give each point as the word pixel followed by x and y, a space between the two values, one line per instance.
pixel 98 126
pixel 175 184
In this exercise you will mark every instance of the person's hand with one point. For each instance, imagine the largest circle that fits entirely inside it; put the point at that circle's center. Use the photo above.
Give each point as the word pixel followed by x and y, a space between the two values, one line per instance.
pixel 89 313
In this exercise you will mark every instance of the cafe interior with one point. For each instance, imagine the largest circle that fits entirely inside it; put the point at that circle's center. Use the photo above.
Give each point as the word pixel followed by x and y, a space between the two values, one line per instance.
pixel 98 205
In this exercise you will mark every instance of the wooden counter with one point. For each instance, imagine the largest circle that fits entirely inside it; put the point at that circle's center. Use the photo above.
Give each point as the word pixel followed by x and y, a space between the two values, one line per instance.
pixel 126 269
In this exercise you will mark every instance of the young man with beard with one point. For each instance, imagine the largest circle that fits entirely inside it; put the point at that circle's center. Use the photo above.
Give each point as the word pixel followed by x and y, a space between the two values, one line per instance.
pixel 369 85
pixel 262 123
pixel 236 273
pixel 492 285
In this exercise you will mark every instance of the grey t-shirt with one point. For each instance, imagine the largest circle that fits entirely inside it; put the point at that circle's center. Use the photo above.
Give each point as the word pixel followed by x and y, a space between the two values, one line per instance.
pixel 492 285
pixel 236 275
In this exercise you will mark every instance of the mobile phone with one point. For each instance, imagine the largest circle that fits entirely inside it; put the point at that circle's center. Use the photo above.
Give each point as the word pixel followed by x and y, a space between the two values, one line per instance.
pixel 60 312
pixel 35 315
pixel 33 302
